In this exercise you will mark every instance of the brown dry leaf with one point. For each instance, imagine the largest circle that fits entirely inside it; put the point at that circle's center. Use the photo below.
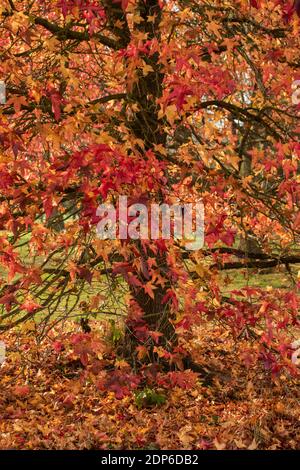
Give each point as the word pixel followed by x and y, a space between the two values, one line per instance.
pixel 219 445
pixel 253 445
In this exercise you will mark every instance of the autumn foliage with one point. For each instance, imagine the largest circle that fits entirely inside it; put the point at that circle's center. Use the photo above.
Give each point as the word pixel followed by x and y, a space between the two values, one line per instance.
pixel 161 101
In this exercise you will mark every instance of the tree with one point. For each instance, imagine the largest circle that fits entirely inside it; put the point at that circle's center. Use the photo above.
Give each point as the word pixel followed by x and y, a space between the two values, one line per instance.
pixel 156 100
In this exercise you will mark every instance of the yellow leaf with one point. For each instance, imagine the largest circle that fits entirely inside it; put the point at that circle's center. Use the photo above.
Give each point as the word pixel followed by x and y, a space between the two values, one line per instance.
pixel 146 69
pixel 171 113
pixel 219 445
pixel 137 19
pixel 253 445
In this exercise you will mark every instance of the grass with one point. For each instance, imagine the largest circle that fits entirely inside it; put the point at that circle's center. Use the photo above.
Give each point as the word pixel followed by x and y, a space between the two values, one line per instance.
pixel 112 293
pixel 278 278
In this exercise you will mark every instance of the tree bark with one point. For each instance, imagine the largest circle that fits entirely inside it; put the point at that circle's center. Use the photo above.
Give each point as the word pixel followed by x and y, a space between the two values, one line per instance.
pixel 145 125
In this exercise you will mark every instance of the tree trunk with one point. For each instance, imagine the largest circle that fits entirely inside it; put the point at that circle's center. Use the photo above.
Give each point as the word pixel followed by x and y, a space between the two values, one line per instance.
pixel 146 126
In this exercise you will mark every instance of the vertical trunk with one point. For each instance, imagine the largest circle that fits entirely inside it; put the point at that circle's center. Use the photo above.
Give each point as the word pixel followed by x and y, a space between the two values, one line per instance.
pixel 145 125
pixel 248 242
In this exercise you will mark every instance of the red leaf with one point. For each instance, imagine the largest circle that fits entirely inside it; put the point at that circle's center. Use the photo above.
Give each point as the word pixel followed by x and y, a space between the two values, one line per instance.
pixel 155 335
pixel 255 3
pixel 56 102
pixel 30 306
pixel 7 300
pixel 297 7
pixel 21 390
pixel 58 346
pixel 228 237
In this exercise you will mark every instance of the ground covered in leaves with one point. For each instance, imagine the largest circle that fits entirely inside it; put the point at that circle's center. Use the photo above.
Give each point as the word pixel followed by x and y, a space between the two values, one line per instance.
pixel 49 401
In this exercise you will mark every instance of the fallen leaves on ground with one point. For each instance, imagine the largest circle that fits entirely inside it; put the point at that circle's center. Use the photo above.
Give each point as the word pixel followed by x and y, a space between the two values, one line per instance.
pixel 47 402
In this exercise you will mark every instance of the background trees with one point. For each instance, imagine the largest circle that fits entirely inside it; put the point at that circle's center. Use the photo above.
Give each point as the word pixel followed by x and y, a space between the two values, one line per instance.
pixel 156 100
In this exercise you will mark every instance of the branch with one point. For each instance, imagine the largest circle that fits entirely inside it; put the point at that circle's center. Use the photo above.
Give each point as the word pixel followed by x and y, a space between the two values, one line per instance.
pixel 258 263
pixel 238 253
pixel 32 106
pixel 66 33
pixel 240 112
